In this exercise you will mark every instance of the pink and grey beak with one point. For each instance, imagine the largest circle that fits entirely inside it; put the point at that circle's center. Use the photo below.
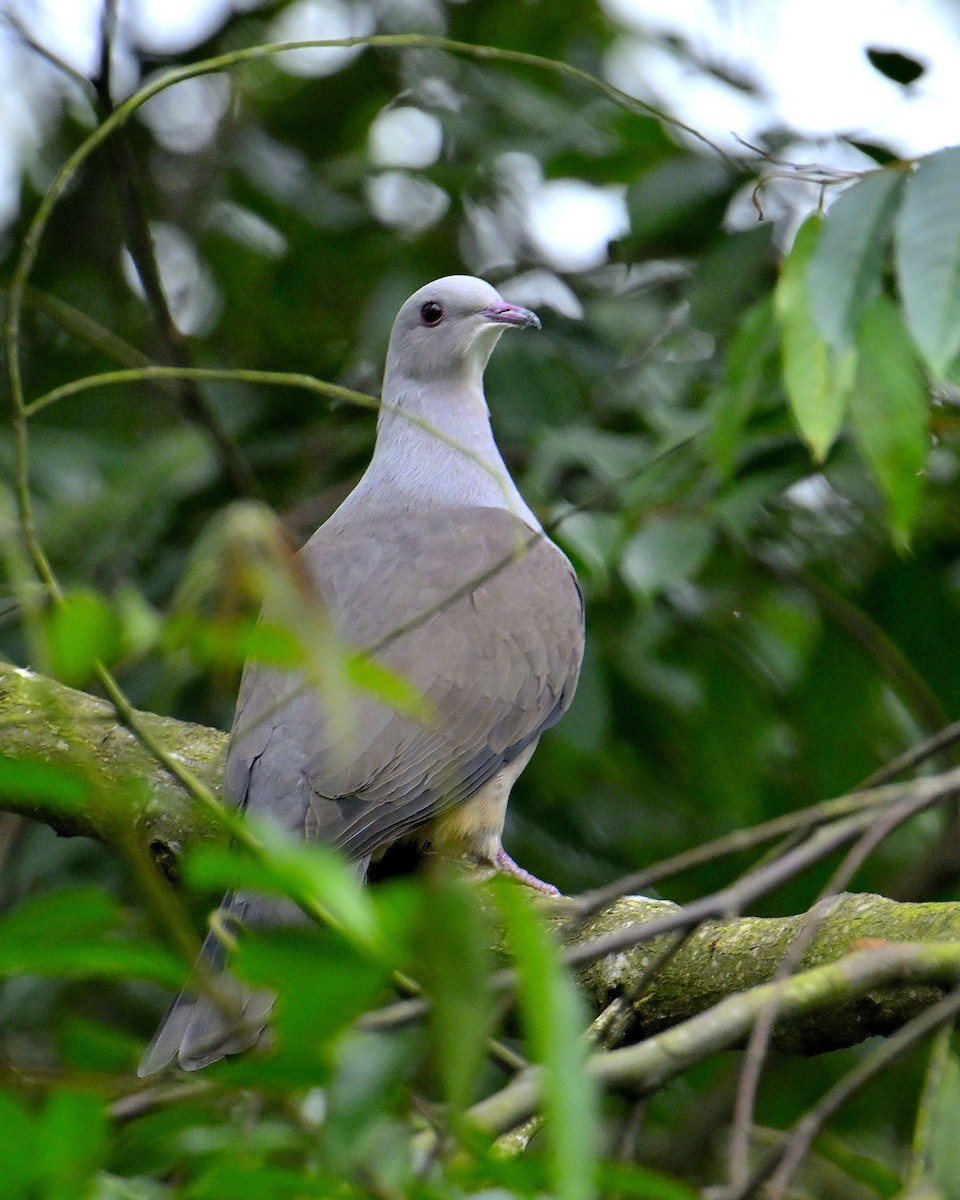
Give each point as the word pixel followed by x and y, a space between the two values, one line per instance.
pixel 502 313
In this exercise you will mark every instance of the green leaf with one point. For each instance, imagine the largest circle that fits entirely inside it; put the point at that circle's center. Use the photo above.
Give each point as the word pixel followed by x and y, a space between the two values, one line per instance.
pixel 140 623
pixel 81 631
pixel 154 1143
pixel 252 1181
pixel 371 1074
pixel 323 985
pixel 592 541
pixel 70 913
pixel 900 68
pixel 114 958
pixel 642 1183
pixel 455 968
pixel 76 932
pixel 89 1045
pixel 368 675
pixel 555 1021
pixel 817 382
pixel 928 258
pixel 231 640
pixel 110 1187
pixel 745 379
pixel 863 1168
pixel 888 408
pixel 267 643
pixel 670 195
pixel 73 1132
pixel 20 1150
pixel 944 1145
pixel 41 781
pixel 51 1155
pixel 304 871
pixel 846 270
pixel 665 552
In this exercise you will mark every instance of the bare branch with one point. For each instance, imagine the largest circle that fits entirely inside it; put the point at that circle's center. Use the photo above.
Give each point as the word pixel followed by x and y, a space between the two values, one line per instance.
pixel 781 1164
pixel 811 997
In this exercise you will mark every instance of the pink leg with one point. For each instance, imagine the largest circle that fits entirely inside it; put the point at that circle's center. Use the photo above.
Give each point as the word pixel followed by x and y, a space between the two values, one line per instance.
pixel 507 866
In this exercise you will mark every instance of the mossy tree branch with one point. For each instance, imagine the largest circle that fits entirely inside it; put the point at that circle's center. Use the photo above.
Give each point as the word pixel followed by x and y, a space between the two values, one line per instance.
pixel 119 786
pixel 810 996
pixel 122 787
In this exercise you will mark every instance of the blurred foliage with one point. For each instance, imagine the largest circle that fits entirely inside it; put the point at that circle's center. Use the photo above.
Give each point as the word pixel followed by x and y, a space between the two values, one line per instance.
pixel 754 469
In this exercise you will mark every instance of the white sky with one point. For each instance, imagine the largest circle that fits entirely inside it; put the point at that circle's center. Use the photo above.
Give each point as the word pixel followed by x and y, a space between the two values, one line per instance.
pixel 808 58
pixel 805 56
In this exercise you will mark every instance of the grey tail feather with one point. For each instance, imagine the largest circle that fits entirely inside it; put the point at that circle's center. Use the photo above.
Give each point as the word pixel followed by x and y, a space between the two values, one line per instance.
pixel 226 1016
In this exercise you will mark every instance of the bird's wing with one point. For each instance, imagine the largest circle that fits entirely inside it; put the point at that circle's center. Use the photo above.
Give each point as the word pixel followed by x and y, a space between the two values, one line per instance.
pixel 480 614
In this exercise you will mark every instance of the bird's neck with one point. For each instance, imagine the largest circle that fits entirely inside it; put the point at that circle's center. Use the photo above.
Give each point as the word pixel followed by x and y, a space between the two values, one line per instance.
pixel 435 449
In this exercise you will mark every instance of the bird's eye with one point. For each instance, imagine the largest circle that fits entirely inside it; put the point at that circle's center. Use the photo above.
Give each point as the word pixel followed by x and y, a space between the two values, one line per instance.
pixel 431 313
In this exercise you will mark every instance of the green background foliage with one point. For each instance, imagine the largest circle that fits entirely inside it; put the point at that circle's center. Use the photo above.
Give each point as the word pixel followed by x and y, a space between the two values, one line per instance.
pixel 746 441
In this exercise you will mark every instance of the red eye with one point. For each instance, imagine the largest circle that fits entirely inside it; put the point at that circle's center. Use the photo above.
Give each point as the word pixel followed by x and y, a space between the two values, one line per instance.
pixel 431 313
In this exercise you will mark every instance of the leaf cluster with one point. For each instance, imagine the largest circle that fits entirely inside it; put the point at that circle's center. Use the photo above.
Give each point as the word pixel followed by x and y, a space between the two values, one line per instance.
pixel 745 440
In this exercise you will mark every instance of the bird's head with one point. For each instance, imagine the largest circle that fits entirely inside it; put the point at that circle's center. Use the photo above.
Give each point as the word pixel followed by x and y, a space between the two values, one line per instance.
pixel 449 327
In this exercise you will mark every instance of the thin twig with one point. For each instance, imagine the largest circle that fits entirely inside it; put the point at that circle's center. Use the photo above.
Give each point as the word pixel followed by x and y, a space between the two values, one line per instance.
pixel 173 346
pixel 942 740
pixel 156 1095
pixel 762 1032
pixel 866 796
pixel 780 1166
pixel 108 31
pixel 119 115
pixel 735 842
pixel 44 52
pixel 648 1065
pixel 734 898
pixel 85 327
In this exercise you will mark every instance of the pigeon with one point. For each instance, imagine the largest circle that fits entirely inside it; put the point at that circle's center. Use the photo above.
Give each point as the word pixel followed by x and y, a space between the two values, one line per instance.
pixel 436 567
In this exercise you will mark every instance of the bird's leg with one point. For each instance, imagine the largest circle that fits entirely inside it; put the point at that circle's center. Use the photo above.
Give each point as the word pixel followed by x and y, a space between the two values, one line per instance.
pixel 507 866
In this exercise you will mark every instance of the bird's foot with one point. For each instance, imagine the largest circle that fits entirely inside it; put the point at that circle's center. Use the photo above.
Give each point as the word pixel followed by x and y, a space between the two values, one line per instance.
pixel 506 866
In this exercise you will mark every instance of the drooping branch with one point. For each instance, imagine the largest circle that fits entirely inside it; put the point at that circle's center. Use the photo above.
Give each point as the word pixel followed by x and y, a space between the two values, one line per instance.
pixel 123 788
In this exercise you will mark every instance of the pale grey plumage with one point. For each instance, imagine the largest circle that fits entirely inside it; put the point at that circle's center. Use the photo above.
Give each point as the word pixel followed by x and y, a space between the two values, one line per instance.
pixel 435 541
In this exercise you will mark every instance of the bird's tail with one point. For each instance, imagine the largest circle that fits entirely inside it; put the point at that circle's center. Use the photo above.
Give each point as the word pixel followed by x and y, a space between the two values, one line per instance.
pixel 215 1014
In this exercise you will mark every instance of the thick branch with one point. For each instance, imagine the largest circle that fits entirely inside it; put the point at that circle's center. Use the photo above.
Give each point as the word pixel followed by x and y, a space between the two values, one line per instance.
pixel 720 958
pixel 41 720
pixel 122 787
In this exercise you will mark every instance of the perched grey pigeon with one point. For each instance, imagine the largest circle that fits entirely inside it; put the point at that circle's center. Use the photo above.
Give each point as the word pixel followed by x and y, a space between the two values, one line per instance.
pixel 435 563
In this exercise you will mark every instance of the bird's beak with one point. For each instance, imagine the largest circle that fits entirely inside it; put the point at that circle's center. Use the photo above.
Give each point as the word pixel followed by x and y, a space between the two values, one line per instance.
pixel 502 313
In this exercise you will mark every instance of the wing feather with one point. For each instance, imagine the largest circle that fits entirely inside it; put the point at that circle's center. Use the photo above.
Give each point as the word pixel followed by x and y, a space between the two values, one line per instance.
pixel 494 656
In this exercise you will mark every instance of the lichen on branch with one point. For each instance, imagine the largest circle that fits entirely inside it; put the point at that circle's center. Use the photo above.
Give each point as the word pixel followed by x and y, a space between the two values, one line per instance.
pixel 122 788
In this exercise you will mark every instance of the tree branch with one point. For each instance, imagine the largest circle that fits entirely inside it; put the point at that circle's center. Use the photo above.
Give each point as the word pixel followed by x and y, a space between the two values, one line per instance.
pixel 125 788
pixel 810 997
pixel 121 786
pixel 720 958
